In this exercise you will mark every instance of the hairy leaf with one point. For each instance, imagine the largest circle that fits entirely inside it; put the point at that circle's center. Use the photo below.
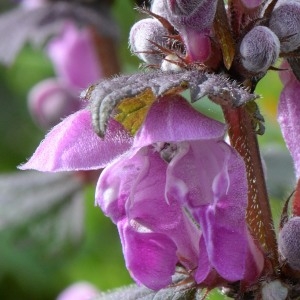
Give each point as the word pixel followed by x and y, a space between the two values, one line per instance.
pixel 178 291
pixel 48 206
pixel 106 95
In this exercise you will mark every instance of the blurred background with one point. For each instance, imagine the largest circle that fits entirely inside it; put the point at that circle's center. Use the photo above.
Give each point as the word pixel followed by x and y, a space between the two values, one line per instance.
pixel 47 245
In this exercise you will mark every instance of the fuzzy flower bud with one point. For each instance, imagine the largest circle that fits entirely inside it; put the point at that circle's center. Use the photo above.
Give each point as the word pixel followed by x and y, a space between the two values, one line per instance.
pixel 192 14
pixel 285 22
pixel 274 290
pixel 193 20
pixel 252 3
pixel 51 100
pixel 159 8
pixel 142 37
pixel 259 49
pixel 289 242
pixel 32 4
pixel 79 291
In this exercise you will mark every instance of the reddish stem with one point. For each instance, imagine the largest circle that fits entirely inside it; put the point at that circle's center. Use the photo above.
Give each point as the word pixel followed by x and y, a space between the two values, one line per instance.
pixel 244 140
pixel 107 54
pixel 296 200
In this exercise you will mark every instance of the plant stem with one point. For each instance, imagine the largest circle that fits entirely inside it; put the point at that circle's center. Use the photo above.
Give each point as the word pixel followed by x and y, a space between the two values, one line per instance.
pixel 107 54
pixel 243 138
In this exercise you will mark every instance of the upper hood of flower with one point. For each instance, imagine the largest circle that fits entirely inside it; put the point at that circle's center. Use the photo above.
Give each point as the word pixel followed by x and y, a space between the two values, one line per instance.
pixel 73 145
pixel 173 119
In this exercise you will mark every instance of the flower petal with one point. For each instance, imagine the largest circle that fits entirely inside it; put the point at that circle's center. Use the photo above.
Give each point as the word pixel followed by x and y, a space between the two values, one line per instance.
pixel 150 257
pixel 210 177
pixel 192 171
pixel 254 261
pixel 73 145
pixel 116 182
pixel 134 187
pixel 204 267
pixel 288 118
pixel 223 222
pixel 148 204
pixel 173 119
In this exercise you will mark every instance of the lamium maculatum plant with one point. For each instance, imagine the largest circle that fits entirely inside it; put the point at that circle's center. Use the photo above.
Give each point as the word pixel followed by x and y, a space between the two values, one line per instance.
pixel 192 209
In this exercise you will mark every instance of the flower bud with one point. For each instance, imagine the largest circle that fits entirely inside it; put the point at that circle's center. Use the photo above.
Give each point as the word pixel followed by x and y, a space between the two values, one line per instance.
pixel 49 101
pixel 191 14
pixel 159 8
pixel 79 291
pixel 193 20
pixel 289 242
pixel 274 290
pixel 285 23
pixel 142 37
pixel 252 3
pixel 169 63
pixel 32 4
pixel 259 49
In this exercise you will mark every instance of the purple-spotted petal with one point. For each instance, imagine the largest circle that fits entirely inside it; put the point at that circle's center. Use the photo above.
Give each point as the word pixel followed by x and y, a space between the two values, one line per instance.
pixel 150 257
pixel 288 118
pixel 173 119
pixel 73 145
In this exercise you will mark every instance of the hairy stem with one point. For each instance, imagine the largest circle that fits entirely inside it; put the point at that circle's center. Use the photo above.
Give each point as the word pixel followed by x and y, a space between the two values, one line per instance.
pixel 243 138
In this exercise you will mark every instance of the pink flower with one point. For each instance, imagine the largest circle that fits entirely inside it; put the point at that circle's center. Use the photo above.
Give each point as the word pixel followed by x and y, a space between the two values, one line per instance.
pixel 74 56
pixel 50 100
pixel 76 65
pixel 176 191
pixel 288 116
